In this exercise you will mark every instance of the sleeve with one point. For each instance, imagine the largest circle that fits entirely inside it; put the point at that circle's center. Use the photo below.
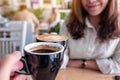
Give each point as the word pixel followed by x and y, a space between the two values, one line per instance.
pixel 35 20
pixel 58 17
pixel 110 65
pixel 53 24
pixel 63 31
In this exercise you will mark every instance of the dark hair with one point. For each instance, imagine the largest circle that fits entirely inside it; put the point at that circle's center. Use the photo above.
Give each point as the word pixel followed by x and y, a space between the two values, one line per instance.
pixel 22 7
pixel 108 23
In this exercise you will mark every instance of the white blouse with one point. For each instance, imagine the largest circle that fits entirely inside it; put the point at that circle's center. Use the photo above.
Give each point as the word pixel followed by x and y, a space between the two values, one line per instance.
pixel 106 54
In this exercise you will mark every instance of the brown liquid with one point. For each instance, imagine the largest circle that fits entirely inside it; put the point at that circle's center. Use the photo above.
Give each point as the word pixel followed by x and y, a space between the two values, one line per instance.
pixel 43 51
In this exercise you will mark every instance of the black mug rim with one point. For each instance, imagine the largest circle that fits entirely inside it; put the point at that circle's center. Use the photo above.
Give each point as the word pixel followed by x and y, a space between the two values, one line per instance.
pixel 42 43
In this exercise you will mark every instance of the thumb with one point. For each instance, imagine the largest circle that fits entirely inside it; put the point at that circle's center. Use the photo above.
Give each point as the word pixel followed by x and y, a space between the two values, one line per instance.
pixel 7 63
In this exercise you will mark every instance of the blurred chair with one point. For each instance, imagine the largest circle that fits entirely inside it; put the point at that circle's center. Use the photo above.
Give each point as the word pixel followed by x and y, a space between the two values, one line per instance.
pixel 12 37
pixel 30 33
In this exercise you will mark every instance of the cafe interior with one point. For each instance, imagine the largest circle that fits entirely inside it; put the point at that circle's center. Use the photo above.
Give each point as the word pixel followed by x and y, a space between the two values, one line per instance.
pixel 41 9
pixel 16 31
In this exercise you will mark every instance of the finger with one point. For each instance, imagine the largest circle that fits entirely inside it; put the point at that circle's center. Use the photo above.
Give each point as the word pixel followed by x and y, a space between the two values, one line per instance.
pixel 7 63
pixel 17 66
pixel 18 77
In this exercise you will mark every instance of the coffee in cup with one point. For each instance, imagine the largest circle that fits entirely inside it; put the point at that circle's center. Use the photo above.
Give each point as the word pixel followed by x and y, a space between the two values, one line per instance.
pixel 44 49
pixel 52 37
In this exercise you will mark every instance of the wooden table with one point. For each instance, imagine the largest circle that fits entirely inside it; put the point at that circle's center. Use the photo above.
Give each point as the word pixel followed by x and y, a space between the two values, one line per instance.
pixel 82 74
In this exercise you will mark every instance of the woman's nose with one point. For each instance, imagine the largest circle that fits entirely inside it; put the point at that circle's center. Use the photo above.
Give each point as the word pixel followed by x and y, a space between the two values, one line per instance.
pixel 91 1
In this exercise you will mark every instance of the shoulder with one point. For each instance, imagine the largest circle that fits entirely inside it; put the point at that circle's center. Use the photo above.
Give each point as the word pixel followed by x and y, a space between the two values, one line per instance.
pixel 18 13
pixel 30 13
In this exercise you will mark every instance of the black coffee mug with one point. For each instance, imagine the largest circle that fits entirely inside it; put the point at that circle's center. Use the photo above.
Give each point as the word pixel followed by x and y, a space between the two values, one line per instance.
pixel 42 60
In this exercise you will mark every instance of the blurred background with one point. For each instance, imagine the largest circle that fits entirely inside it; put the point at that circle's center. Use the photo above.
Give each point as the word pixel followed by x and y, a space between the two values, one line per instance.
pixel 9 7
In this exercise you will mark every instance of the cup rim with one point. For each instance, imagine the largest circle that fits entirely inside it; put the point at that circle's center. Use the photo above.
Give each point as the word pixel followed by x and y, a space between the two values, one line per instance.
pixel 28 46
pixel 37 37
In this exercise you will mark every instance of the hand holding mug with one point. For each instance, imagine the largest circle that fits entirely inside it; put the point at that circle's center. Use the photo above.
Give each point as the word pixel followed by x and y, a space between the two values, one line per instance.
pixel 8 65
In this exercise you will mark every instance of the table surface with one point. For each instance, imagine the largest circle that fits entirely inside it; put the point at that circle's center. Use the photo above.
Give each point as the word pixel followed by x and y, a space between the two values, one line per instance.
pixel 83 74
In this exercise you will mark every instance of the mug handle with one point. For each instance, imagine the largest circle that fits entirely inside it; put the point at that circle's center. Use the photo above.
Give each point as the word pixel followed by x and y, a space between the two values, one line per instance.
pixel 25 69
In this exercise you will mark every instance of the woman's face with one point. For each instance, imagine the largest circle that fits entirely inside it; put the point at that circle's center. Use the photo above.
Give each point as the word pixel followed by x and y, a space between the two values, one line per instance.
pixel 94 7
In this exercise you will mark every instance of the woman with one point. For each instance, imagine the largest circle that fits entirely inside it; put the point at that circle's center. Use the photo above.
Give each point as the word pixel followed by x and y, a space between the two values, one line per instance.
pixel 93 32
pixel 54 18
pixel 25 15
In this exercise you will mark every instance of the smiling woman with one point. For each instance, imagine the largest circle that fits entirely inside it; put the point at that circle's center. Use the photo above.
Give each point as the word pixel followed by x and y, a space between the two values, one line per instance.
pixel 95 8
pixel 93 32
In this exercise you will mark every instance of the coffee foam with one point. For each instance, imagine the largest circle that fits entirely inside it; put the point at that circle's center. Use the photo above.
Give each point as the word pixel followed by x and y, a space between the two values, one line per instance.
pixel 45 47
pixel 51 37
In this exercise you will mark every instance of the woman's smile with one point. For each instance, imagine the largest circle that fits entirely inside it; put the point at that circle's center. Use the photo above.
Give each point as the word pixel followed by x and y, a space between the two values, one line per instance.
pixel 93 7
